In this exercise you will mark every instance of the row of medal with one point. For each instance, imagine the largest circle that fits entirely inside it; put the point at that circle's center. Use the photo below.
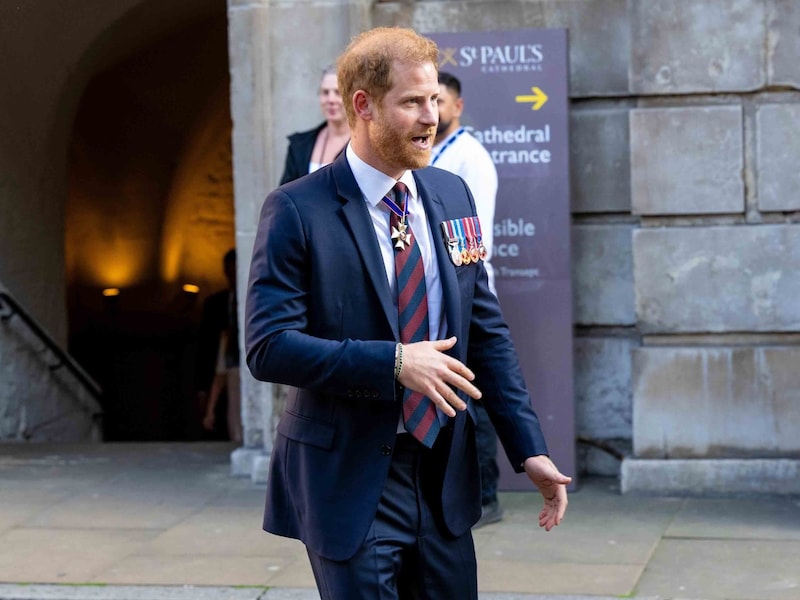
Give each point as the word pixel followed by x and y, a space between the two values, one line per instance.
pixel 464 240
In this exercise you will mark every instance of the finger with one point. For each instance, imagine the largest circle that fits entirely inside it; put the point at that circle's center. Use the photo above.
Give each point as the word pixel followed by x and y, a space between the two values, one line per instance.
pixel 442 345
pixel 459 368
pixel 452 399
pixel 443 405
pixel 463 385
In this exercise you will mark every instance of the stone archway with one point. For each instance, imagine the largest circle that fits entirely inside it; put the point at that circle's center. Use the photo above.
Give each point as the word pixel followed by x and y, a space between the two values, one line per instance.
pixel 149 211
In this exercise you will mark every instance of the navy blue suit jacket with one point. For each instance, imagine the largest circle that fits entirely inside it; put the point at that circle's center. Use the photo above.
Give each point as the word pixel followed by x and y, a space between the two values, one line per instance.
pixel 320 317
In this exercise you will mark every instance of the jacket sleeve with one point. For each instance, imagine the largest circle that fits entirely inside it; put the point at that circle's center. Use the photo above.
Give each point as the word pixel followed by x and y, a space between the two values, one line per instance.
pixel 277 339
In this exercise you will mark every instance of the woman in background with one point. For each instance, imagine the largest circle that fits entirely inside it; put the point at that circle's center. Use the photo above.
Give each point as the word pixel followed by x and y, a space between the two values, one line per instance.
pixel 310 150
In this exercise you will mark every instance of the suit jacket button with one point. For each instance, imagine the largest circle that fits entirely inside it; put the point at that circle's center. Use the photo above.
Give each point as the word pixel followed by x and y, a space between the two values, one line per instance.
pixel 386 449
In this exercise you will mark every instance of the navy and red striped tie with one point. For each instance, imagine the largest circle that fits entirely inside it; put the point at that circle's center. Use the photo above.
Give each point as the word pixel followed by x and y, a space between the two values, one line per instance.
pixel 419 412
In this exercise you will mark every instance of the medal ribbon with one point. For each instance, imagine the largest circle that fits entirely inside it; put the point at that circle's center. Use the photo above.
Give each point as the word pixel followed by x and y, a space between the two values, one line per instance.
pixel 477 223
pixel 400 212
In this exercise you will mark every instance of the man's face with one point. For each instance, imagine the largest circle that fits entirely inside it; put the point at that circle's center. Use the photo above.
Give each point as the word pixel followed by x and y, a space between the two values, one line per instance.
pixel 403 127
pixel 330 101
pixel 450 107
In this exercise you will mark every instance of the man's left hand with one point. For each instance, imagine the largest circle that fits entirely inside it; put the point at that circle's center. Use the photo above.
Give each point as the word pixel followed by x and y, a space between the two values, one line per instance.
pixel 552 484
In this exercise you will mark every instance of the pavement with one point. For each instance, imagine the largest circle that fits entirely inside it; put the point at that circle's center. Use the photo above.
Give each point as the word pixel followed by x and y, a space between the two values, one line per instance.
pixel 169 522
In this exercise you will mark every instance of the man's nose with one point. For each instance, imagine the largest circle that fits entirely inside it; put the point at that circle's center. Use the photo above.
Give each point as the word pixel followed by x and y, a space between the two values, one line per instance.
pixel 430 114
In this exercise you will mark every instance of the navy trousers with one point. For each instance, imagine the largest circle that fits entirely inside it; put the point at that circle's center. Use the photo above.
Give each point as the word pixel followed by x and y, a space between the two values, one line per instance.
pixel 407 554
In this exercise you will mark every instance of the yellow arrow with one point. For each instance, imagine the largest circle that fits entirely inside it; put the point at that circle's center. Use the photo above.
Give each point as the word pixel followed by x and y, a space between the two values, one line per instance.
pixel 538 98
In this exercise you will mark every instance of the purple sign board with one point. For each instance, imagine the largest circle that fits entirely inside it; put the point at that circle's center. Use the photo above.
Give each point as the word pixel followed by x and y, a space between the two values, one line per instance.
pixel 515 91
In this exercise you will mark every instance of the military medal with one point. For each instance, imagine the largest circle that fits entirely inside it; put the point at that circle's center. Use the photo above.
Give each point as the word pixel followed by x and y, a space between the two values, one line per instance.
pixel 464 240
pixel 455 253
pixel 483 252
pixel 401 234
pixel 451 239
pixel 472 239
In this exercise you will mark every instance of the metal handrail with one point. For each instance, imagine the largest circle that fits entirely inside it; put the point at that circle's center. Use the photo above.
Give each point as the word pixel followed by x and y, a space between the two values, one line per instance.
pixel 64 359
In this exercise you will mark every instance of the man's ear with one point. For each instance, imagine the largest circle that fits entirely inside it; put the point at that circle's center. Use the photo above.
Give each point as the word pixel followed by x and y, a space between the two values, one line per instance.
pixel 362 103
pixel 459 107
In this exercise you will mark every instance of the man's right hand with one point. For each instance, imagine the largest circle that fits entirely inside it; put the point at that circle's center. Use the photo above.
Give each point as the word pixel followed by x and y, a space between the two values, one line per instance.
pixel 429 371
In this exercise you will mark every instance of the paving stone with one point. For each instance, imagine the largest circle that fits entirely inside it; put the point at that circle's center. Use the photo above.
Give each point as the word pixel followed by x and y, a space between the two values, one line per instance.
pixel 190 570
pixel 717 279
pixel 557 578
pixel 778 157
pixel 215 531
pixel 183 592
pixel 64 555
pixel 684 46
pixel 723 569
pixel 749 518
pixel 687 161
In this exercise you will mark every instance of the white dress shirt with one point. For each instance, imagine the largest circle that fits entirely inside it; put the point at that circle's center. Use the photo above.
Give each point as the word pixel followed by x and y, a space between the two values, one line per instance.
pixel 374 186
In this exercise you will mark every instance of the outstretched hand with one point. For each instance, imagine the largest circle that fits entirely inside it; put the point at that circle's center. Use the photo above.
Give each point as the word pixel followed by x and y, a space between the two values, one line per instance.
pixel 552 485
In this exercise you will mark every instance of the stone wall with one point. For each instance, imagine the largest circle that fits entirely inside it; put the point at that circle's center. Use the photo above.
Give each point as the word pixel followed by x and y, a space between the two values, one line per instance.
pixel 40 400
pixel 685 185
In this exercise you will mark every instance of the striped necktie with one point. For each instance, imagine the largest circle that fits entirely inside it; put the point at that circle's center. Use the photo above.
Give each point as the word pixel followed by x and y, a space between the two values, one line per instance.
pixel 419 412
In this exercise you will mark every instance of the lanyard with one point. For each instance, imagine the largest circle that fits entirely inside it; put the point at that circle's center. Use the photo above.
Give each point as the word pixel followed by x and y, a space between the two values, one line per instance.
pixel 447 144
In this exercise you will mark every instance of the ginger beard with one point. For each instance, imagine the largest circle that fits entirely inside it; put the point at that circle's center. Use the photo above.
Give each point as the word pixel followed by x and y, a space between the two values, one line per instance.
pixel 396 147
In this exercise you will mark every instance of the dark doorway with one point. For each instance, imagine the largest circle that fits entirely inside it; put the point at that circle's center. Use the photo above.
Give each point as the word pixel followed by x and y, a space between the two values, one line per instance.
pixel 149 217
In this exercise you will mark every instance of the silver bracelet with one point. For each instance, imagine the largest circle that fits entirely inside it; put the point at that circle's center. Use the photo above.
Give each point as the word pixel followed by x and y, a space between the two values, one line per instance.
pixel 398 360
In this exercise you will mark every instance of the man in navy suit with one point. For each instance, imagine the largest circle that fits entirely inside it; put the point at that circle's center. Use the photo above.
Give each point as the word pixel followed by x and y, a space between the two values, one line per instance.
pixel 384 510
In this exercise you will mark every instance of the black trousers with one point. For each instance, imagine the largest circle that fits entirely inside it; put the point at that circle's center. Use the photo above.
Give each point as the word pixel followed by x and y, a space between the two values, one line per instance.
pixel 486 440
pixel 407 554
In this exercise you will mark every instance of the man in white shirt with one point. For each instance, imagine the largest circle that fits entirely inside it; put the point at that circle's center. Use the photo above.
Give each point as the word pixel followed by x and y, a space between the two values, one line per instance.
pixel 457 151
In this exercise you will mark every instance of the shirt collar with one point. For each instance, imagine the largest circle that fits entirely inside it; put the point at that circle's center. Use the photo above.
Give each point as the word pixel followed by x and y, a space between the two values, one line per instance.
pixel 373 183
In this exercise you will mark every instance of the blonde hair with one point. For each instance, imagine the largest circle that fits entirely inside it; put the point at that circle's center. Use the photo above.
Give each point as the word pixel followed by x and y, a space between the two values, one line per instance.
pixel 366 63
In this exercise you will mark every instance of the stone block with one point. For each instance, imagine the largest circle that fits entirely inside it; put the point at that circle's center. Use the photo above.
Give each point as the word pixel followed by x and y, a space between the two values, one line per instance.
pixel 600 161
pixel 717 279
pixel 778 157
pixel 260 472
pixel 602 270
pixel 708 477
pixel 687 160
pixel 739 402
pixel 684 46
pixel 599 46
pixel 242 460
pixel 603 387
pixel 599 32
pixel 598 463
pixel 783 43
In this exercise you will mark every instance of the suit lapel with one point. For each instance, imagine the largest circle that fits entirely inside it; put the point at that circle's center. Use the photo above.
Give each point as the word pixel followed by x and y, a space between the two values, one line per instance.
pixel 435 210
pixel 358 220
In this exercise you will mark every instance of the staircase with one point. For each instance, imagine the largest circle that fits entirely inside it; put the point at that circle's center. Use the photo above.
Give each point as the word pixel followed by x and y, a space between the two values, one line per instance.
pixel 44 394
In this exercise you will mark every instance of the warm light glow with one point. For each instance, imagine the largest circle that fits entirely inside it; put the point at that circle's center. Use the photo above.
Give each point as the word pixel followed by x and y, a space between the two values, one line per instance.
pixel 110 292
pixel 198 225
pixel 191 288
